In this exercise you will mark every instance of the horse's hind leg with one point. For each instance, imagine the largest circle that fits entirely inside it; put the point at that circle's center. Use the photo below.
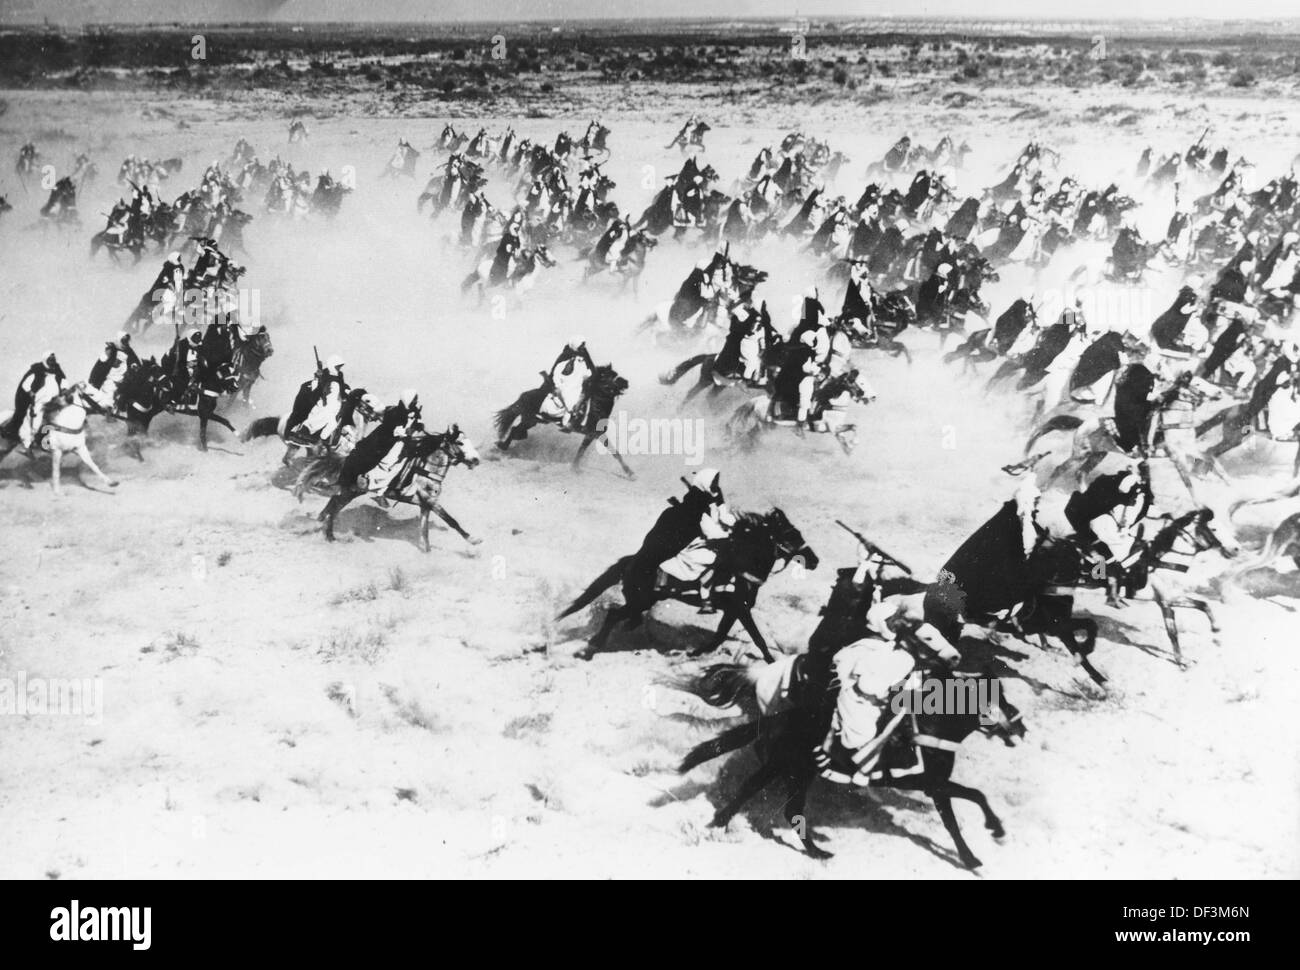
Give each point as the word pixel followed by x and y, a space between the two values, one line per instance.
pixel 750 787
pixel 799 783
pixel 612 619
pixel 84 454
pixel 56 459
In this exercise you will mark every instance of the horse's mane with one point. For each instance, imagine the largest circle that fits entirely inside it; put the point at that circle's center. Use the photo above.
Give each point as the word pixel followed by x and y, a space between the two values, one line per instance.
pixel 1165 538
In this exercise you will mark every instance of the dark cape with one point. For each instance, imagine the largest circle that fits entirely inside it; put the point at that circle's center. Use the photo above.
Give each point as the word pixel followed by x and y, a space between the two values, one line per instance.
pixel 1098 359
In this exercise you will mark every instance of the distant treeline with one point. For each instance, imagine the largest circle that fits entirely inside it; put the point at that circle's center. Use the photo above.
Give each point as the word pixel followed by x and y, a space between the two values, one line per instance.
pixel 482 60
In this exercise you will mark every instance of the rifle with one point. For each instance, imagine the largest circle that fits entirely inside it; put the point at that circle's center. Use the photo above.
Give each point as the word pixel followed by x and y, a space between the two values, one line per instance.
pixel 874 549
pixel 316 354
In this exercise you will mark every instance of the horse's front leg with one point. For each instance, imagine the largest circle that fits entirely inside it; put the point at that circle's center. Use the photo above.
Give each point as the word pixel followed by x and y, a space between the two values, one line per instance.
pixel 609 446
pixel 1171 623
pixel 446 517
pixel 56 458
pixel 747 620
pixel 424 528
pixel 991 821
pixel 943 802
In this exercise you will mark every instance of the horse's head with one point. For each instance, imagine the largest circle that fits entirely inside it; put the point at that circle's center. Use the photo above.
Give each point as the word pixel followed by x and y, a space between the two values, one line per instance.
pixel 787 541
pixel 1207 531
pixel 605 382
pixel 857 387
pixel 460 450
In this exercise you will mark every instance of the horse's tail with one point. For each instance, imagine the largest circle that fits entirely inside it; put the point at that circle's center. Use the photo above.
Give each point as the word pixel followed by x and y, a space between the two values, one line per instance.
pixel 504 418
pixel 601 583
pixel 1062 422
pixel 721 685
pixel 743 425
pixel 261 428
pixel 681 370
pixel 729 740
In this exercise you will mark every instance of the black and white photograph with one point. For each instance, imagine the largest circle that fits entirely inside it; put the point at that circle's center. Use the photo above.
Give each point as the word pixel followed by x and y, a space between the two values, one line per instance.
pixel 684 440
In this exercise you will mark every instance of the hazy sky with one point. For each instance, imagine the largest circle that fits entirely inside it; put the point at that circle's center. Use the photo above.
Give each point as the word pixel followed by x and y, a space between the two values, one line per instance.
pixel 452 10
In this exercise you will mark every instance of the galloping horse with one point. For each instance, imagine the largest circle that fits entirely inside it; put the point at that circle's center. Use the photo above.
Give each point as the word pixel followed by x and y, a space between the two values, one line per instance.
pixel 427 459
pixel 599 392
pixel 787 738
pixel 63 429
pixel 830 403
pixel 747 558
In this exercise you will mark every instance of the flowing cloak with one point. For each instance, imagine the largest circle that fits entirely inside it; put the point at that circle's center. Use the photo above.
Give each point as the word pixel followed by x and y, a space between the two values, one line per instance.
pixel 1168 329
pixel 1133 410
pixel 886 250
pixel 917 192
pixel 786 387
pixel 987 573
pixel 855 307
pixel 1098 359
pixel 1230 287
pixel 866 236
pixel 371 449
pixel 1046 349
pixel 1224 347
pixel 1008 327
pixel 688 301
pixel 931 299
pixel 728 360
pixel 675 529
pixel 1266 387
pixel 962 222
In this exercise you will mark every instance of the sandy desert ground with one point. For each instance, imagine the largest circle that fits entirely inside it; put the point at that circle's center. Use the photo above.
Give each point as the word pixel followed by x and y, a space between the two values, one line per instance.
pixel 277 706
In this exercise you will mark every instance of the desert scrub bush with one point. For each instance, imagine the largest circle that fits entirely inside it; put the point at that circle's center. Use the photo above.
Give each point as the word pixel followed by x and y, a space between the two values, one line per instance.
pixel 358 594
pixel 1242 78
pixel 353 644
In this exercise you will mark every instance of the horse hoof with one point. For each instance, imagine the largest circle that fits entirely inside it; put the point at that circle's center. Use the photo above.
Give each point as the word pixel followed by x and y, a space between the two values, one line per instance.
pixel 474 540
pixel 821 855
pixel 970 862
pixel 998 832
pixel 111 483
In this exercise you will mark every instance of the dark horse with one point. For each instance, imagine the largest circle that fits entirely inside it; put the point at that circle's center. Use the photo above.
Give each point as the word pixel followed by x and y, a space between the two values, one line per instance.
pixel 786 740
pixel 150 389
pixel 599 392
pixel 745 560
pixel 989 582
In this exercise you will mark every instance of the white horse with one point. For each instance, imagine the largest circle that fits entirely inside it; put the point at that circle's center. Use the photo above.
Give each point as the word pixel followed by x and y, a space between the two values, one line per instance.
pixel 63 429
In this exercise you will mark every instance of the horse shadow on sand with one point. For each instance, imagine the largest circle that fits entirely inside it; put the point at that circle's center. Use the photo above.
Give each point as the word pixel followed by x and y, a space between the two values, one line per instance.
pixel 665 637
pixel 837 807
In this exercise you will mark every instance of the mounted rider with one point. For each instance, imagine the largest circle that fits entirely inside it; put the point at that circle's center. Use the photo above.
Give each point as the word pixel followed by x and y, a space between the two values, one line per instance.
pixel 377 458
pixel 188 367
pixel 1105 517
pixel 41 383
pixel 861 653
pixel 703 520
pixel 114 362
pixel 316 407
pixel 564 401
